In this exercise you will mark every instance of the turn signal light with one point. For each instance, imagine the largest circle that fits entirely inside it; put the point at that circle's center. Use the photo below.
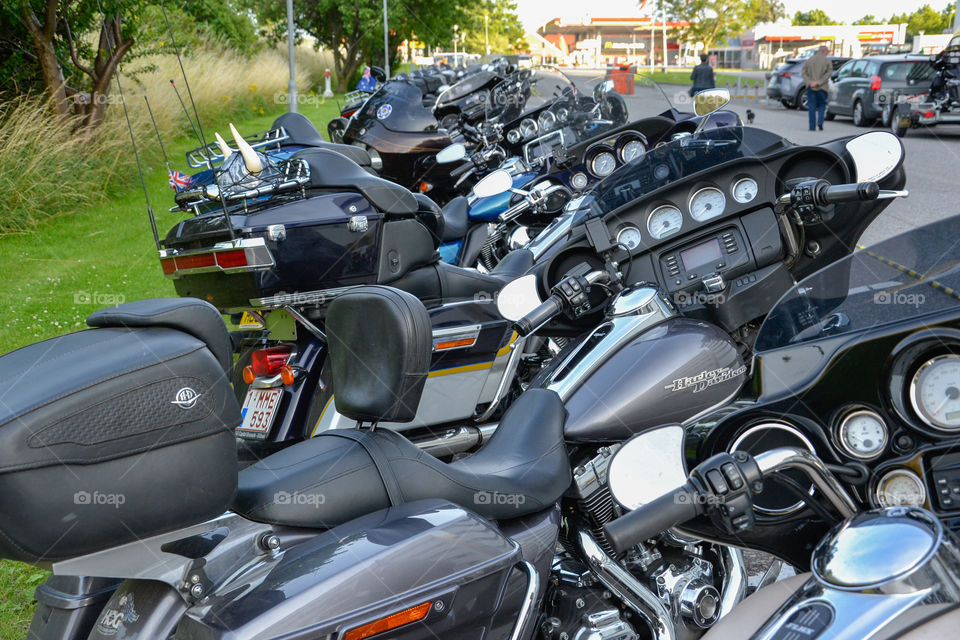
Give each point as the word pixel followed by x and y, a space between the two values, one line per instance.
pixel 407 616
pixel 875 83
pixel 424 186
pixel 248 375
pixel 287 376
pixel 453 344
pixel 269 362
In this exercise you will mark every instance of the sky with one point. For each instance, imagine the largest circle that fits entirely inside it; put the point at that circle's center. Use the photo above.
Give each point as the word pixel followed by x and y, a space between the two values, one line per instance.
pixel 534 13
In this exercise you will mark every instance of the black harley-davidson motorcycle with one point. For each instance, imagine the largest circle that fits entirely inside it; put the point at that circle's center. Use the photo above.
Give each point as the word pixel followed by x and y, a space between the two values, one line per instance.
pixel 843 464
pixel 121 466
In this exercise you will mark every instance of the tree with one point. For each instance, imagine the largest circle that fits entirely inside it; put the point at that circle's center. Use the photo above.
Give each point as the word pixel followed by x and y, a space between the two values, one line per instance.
pixel 503 25
pixel 812 17
pixel 713 21
pixel 926 19
pixel 868 19
pixel 353 29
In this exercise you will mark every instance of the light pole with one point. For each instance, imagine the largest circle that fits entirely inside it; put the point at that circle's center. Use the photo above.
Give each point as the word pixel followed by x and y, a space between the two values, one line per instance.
pixel 486 31
pixel 455 28
pixel 386 40
pixel 292 85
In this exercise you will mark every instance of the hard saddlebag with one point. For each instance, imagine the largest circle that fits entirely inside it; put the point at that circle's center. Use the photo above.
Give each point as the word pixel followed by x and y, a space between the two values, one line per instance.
pixel 114 434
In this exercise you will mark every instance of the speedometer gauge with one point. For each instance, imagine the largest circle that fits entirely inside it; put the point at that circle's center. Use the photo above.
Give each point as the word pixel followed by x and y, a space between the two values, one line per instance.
pixel 935 392
pixel 901 487
pixel 629 236
pixel 665 221
pixel 528 128
pixel 631 151
pixel 603 164
pixel 707 203
pixel 546 120
pixel 862 434
pixel 745 190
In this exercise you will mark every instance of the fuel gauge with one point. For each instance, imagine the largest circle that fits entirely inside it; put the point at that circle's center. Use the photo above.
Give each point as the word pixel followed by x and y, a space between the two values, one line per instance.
pixel 745 190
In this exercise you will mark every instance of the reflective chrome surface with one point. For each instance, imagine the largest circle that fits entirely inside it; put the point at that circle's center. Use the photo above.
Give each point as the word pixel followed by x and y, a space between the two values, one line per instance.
pixel 640 300
pixel 822 478
pixel 648 466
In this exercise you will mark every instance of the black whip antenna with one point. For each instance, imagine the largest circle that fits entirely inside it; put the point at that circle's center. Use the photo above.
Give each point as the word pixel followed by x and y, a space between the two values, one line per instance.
pixel 157 131
pixel 189 119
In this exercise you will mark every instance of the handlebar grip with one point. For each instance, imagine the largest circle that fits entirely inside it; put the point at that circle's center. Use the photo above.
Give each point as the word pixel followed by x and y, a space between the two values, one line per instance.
pixel 850 192
pixel 462 169
pixel 653 518
pixel 539 316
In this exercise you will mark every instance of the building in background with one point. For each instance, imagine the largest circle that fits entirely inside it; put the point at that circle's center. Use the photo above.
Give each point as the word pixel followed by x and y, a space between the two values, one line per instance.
pixel 595 42
pixel 773 43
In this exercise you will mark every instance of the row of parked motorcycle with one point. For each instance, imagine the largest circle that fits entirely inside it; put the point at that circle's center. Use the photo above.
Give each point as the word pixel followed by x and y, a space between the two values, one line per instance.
pixel 501 362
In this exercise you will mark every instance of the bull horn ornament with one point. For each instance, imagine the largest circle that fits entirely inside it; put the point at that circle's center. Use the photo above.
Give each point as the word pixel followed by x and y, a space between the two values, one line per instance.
pixel 250 157
pixel 224 147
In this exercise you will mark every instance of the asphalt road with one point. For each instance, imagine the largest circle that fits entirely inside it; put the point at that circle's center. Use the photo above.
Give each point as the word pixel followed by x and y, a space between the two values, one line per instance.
pixel 932 155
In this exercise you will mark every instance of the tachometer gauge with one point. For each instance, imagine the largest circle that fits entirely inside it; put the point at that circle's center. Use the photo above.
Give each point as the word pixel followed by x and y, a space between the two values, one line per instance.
pixel 632 150
pixel 603 164
pixel 546 120
pixel 513 136
pixel 665 221
pixel 629 236
pixel 745 190
pixel 528 128
pixel 901 487
pixel 862 434
pixel 935 392
pixel 707 203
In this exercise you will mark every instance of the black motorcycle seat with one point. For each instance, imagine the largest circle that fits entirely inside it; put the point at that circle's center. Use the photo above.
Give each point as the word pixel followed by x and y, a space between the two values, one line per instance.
pixel 301 132
pixel 332 170
pixel 193 316
pixel 443 281
pixel 455 219
pixel 332 478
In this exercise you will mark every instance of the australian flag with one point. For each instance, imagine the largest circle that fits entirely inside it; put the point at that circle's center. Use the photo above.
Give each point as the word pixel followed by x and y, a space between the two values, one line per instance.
pixel 179 181
pixel 367 82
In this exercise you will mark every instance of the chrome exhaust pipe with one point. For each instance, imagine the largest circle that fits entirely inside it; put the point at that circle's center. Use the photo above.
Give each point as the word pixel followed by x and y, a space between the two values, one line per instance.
pixel 734 588
pixel 454 440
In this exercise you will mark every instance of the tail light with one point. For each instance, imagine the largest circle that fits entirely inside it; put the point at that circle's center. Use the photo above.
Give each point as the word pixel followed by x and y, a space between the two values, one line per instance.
pixel 875 83
pixel 245 255
pixel 269 362
pixel 785 74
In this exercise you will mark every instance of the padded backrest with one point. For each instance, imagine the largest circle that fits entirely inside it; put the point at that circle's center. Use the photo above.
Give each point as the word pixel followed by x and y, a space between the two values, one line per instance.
pixel 430 214
pixel 331 170
pixel 380 344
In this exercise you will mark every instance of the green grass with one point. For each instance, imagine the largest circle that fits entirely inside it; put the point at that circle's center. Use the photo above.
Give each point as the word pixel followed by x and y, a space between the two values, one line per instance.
pixel 53 277
pixel 683 77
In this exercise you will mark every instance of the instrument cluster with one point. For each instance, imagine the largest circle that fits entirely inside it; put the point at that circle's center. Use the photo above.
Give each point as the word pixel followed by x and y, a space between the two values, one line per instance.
pixel 706 202
pixel 603 158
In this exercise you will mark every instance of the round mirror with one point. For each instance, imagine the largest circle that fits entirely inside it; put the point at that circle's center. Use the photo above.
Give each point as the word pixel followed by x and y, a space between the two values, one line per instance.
pixel 708 101
pixel 648 466
pixel 875 155
pixel 518 298
pixel 453 153
pixel 493 184
pixel 604 87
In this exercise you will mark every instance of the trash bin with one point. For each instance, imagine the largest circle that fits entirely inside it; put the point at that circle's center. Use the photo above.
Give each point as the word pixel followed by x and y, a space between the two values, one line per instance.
pixel 622 76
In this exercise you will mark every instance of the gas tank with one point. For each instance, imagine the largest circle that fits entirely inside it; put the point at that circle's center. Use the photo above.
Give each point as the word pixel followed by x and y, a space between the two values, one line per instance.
pixel 643 367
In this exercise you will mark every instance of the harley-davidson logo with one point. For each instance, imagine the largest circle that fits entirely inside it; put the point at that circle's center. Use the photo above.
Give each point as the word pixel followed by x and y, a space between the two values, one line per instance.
pixel 706 379
pixel 384 111
pixel 186 398
pixel 113 618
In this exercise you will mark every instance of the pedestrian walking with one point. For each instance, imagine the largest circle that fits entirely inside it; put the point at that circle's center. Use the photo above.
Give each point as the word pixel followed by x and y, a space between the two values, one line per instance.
pixel 702 76
pixel 816 73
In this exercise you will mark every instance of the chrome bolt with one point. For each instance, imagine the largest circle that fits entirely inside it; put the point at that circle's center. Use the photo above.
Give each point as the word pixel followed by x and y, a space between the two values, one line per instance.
pixel 438 605
pixel 195 578
pixel 580 603
pixel 197 590
pixel 269 542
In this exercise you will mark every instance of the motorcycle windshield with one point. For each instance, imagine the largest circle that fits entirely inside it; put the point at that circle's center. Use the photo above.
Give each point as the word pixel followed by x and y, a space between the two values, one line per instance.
pixel 398 105
pixel 465 87
pixel 674 160
pixel 908 276
pixel 525 91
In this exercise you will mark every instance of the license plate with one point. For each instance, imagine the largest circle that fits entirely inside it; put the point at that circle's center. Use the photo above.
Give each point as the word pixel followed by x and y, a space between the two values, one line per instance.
pixel 258 411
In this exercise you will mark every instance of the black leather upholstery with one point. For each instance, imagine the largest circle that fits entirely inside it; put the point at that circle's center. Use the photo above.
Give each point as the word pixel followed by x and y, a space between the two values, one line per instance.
pixel 301 132
pixel 331 170
pixel 380 344
pixel 456 219
pixel 328 480
pixel 432 217
pixel 442 281
pixel 190 315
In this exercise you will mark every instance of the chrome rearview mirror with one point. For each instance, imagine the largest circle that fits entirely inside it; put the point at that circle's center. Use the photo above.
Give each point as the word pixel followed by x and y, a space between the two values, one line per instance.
pixel 452 153
pixel 493 184
pixel 710 100
pixel 602 88
pixel 518 298
pixel 875 155
pixel 648 466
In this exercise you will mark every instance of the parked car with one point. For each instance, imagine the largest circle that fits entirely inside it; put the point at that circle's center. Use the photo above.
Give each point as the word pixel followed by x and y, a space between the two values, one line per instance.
pixel 787 85
pixel 862 88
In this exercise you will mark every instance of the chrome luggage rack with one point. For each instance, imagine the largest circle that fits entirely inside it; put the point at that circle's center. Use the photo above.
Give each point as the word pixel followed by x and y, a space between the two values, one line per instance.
pixel 197 158
pixel 287 178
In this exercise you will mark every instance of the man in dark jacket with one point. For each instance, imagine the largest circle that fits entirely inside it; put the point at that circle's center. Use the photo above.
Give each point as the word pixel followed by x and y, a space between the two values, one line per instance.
pixel 702 76
pixel 816 73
